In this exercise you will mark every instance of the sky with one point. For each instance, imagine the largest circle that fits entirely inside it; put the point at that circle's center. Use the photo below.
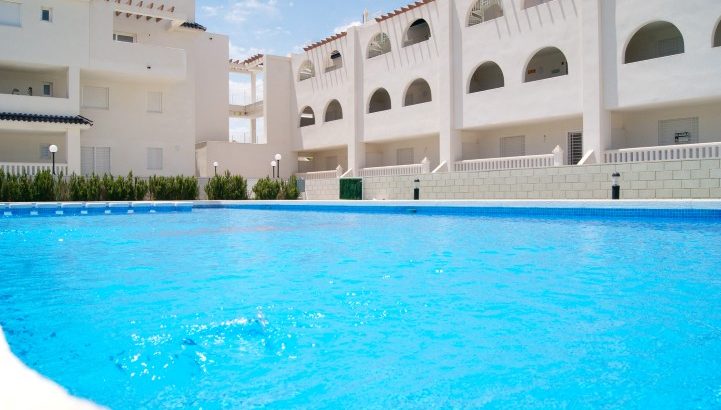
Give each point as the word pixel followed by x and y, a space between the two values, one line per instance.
pixel 278 27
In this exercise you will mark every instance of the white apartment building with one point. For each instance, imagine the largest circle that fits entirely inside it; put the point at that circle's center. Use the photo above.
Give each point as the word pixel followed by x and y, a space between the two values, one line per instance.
pixel 117 86
pixel 475 85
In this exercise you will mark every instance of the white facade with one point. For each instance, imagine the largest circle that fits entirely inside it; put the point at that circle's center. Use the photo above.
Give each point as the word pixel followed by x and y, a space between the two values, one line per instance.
pixel 151 81
pixel 587 76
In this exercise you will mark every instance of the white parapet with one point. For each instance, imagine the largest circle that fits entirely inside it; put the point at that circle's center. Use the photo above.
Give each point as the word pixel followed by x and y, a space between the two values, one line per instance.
pixel 711 150
pixel 413 169
pixel 496 164
pixel 19 168
pixel 332 174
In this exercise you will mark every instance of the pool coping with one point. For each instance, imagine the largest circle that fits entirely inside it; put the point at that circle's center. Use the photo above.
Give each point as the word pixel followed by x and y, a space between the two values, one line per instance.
pixel 685 208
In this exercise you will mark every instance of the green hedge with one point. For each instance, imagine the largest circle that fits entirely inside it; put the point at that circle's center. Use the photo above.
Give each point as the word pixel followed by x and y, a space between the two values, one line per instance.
pixel 227 187
pixel 44 187
pixel 272 189
pixel 351 188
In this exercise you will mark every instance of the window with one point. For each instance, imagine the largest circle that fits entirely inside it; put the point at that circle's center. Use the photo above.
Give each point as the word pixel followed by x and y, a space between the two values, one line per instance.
pixel 533 3
pixel 10 13
pixel 307 117
pixel 678 131
pixel 380 101
pixel 95 160
pixel 404 156
pixel 548 63
pixel 654 40
pixel 125 37
pixel 575 148
pixel 486 77
pixel 96 97
pixel 306 71
pixel 155 101
pixel 334 111
pixel 379 45
pixel 418 32
pixel 336 62
pixel 48 89
pixel 484 10
pixel 513 146
pixel 46 14
pixel 44 151
pixel 155 159
pixel 419 92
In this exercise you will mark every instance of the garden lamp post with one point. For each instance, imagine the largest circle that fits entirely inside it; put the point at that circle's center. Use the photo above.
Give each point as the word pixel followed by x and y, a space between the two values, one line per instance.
pixel 278 158
pixel 273 165
pixel 53 149
pixel 215 167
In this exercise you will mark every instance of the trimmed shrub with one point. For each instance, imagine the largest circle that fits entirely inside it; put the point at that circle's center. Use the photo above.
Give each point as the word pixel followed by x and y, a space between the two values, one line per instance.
pixel 227 187
pixel 289 189
pixel 178 188
pixel 266 189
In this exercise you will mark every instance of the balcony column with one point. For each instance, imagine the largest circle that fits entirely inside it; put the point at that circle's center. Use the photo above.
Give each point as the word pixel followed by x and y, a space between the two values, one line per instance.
pixel 253 122
pixel 449 92
pixel 72 142
pixel 355 62
pixel 596 118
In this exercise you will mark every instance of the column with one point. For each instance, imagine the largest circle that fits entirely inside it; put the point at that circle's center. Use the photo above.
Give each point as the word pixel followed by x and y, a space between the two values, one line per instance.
pixel 449 89
pixel 596 118
pixel 253 122
pixel 356 146
pixel 72 142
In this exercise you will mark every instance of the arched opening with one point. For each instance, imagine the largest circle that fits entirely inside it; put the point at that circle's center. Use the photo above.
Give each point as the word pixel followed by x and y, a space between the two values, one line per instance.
pixel 654 40
pixel 306 71
pixel 548 63
pixel 484 10
pixel 418 92
pixel 418 32
pixel 717 36
pixel 486 77
pixel 379 45
pixel 533 3
pixel 334 111
pixel 307 117
pixel 334 62
pixel 380 101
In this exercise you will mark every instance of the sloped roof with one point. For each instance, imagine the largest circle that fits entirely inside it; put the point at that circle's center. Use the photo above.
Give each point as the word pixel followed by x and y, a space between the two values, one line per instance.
pixel 58 119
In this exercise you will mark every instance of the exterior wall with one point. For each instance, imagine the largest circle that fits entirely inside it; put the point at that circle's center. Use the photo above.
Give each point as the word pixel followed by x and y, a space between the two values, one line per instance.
pixel 378 155
pixel 541 138
pixel 25 146
pixel 322 189
pixel 320 160
pixel 252 161
pixel 653 180
pixel 640 128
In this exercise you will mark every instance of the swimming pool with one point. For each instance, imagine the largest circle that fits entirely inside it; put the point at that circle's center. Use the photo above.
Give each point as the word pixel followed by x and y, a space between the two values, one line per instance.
pixel 233 308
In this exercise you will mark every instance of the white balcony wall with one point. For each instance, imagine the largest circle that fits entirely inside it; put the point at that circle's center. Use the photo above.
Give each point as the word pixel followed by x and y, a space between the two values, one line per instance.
pixel 632 129
pixel 386 153
pixel 511 41
pixel 665 80
pixel 401 122
pixel 29 146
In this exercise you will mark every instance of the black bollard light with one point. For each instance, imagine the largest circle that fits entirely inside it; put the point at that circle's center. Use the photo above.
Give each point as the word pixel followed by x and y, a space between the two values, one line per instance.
pixel 615 188
pixel 417 190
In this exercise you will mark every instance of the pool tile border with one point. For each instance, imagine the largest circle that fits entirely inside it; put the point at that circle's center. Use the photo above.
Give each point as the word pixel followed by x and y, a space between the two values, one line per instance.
pixel 699 209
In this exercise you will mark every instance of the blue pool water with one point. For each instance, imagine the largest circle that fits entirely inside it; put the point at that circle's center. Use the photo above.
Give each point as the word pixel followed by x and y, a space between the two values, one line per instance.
pixel 229 308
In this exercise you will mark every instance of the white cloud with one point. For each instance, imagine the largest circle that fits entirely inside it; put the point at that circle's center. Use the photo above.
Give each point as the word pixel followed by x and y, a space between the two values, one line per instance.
pixel 211 11
pixel 241 10
pixel 241 53
pixel 345 27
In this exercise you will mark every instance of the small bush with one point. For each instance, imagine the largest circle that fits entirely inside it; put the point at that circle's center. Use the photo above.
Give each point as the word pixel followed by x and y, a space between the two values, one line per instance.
pixel 178 188
pixel 266 189
pixel 289 189
pixel 227 187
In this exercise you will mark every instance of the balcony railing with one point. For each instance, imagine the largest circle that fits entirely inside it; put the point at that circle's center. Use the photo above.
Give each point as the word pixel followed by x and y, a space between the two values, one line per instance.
pixel 20 168
pixel 498 164
pixel 332 174
pixel 413 169
pixel 709 150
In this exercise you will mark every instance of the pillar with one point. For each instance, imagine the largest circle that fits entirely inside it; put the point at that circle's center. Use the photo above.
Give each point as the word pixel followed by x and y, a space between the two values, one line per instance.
pixel 72 142
pixel 253 99
pixel 449 89
pixel 356 146
pixel 596 118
